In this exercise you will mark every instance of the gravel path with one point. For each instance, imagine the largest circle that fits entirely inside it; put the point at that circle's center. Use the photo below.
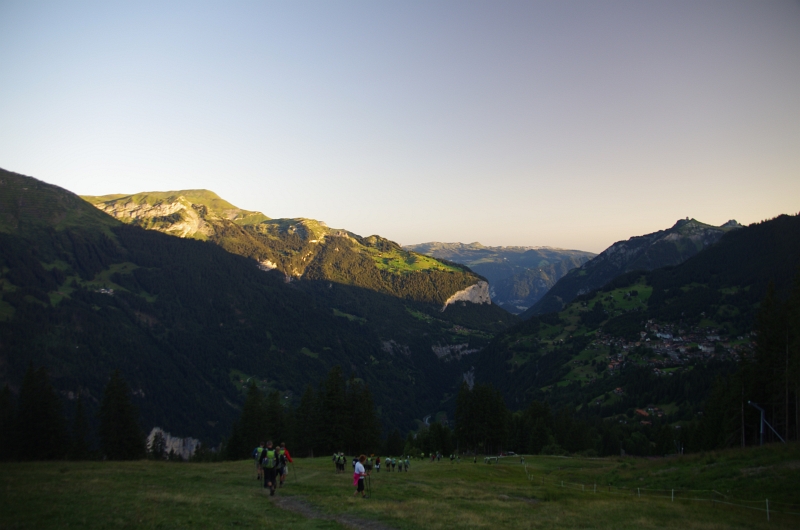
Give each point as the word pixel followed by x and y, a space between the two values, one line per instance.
pixel 299 506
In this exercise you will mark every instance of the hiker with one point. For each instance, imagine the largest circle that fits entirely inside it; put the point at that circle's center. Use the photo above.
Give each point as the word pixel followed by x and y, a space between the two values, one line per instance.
pixel 369 465
pixel 355 461
pixel 377 464
pixel 335 461
pixel 406 464
pixel 394 463
pixel 451 459
pixel 284 457
pixel 269 467
pixel 359 474
pixel 257 456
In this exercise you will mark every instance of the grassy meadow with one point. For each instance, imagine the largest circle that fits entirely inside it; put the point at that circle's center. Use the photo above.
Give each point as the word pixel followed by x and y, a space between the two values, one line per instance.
pixel 714 490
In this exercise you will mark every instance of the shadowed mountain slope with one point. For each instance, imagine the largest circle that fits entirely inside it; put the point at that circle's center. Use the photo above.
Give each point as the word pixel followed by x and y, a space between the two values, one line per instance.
pixel 652 251
pixel 649 338
pixel 189 323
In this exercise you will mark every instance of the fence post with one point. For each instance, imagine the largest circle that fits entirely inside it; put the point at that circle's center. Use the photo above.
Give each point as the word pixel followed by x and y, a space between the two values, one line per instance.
pixel 767 510
pixel 673 494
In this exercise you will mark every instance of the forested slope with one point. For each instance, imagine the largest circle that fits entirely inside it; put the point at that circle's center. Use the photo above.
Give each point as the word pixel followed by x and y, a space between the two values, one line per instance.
pixel 658 337
pixel 189 323
pixel 664 248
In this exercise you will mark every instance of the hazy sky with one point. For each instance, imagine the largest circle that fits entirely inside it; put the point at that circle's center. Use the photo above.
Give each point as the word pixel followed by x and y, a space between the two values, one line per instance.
pixel 570 124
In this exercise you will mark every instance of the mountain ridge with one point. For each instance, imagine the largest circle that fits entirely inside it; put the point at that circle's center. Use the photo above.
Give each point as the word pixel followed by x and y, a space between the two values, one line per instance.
pixel 663 248
pixel 187 321
pixel 300 248
pixel 693 321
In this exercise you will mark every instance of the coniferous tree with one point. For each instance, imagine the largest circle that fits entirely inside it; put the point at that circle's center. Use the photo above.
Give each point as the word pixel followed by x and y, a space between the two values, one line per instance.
pixel 363 429
pixel 305 423
pixel 465 421
pixel 234 446
pixel 157 448
pixel 275 418
pixel 41 432
pixel 121 437
pixel 252 428
pixel 333 412
pixel 79 446
pixel 7 430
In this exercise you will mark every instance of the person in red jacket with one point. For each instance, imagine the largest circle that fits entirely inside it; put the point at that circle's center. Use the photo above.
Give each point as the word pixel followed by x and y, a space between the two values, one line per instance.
pixel 283 458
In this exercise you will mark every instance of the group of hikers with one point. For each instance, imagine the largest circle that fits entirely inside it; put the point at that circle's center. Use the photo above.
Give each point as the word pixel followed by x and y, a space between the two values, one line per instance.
pixel 391 464
pixel 271 465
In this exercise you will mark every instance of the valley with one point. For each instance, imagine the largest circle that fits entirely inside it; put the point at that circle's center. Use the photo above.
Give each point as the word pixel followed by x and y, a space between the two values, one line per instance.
pixel 196 299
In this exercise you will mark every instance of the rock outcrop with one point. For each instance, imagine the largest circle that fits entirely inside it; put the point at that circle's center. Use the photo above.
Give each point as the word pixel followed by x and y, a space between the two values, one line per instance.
pixel 476 294
pixel 183 447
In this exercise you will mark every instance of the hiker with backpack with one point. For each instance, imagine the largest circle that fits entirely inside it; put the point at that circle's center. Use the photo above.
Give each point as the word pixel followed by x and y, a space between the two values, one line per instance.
pixel 377 464
pixel 359 477
pixel 283 458
pixel 269 467
pixel 257 457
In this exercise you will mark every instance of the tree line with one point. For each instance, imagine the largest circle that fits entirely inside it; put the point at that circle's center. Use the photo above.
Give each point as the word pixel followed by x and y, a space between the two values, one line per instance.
pixel 35 427
pixel 770 380
pixel 340 415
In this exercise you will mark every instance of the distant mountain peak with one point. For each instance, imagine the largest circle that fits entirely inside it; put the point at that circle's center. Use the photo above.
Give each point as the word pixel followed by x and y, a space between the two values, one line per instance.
pixel 651 251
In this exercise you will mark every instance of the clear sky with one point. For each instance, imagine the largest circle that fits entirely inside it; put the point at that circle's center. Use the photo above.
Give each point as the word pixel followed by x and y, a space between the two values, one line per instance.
pixel 567 123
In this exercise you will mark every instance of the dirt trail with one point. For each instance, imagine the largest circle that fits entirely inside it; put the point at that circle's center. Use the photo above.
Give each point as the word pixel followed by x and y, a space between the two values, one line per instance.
pixel 299 506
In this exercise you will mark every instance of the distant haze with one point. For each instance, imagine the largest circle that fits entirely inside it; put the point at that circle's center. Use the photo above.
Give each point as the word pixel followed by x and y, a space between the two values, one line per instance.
pixel 565 124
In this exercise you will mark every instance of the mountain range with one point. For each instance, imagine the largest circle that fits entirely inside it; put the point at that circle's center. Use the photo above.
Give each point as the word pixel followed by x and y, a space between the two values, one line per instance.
pixel 298 248
pixel 189 322
pixel 192 298
pixel 664 248
pixel 654 339
pixel 518 276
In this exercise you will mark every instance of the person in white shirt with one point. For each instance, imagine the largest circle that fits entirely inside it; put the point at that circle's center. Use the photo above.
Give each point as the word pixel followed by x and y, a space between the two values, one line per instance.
pixel 359 476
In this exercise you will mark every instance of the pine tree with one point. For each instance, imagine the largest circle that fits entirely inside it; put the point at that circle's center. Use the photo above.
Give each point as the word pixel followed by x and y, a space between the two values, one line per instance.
pixel 274 417
pixel 363 429
pixel 7 428
pixel 121 438
pixel 79 446
pixel 157 446
pixel 305 423
pixel 41 432
pixel 333 412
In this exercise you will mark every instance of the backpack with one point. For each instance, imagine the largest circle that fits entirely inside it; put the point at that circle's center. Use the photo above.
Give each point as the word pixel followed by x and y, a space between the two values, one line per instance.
pixel 268 458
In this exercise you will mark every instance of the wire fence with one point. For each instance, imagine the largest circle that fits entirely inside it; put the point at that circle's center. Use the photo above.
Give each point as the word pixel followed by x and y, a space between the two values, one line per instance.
pixel 674 494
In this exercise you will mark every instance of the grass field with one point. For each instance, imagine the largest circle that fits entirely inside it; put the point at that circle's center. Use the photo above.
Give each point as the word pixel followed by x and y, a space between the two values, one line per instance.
pixel 715 490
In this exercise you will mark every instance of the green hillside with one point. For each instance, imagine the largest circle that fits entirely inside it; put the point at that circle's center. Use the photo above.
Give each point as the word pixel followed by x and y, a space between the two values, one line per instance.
pixel 651 339
pixel 664 248
pixel 299 248
pixel 186 321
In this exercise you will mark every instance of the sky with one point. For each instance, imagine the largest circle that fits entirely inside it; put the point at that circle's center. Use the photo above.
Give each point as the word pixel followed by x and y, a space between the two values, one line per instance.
pixel 569 124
